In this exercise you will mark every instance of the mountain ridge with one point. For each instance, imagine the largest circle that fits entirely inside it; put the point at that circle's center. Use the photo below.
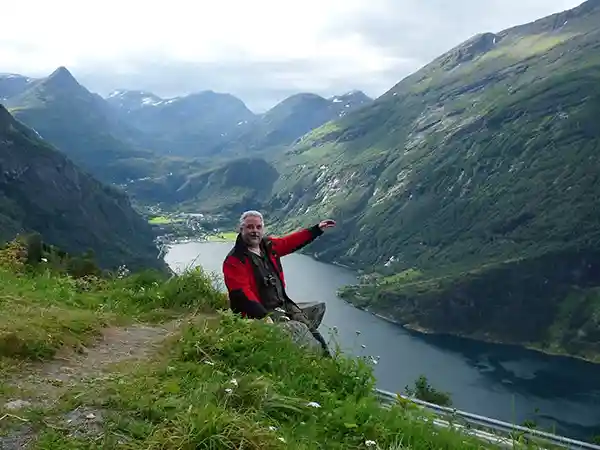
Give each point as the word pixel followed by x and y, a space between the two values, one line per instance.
pixel 81 125
pixel 485 157
pixel 42 190
pixel 207 124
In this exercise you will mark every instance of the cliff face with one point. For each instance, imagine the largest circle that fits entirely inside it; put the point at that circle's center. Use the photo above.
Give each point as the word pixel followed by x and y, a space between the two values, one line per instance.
pixel 42 190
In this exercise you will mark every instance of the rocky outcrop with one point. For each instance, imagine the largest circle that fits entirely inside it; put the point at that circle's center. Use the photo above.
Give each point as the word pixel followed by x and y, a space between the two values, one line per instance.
pixel 315 311
pixel 299 332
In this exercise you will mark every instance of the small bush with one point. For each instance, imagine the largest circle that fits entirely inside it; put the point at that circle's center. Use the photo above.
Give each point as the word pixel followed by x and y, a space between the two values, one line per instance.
pixel 194 288
pixel 424 391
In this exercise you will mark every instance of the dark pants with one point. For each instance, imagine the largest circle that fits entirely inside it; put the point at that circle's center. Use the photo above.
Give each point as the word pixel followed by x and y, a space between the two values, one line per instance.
pixel 295 313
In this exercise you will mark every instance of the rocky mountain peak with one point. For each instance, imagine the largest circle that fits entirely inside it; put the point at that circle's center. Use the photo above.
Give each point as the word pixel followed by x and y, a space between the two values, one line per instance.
pixel 354 97
pixel 61 78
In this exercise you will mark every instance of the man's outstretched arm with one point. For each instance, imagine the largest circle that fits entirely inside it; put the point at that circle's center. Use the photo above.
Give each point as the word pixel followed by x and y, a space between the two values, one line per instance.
pixel 241 297
pixel 292 242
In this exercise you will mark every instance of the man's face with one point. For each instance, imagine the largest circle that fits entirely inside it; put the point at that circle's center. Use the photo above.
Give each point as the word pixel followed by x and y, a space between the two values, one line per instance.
pixel 252 231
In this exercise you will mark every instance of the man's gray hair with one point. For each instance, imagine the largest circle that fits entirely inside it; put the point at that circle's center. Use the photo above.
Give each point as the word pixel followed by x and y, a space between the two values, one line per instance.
pixel 251 213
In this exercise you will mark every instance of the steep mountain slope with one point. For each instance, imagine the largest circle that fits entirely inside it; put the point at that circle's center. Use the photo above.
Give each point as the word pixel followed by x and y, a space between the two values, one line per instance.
pixel 12 84
pixel 227 188
pixel 192 126
pixel 289 120
pixel 81 125
pixel 210 125
pixel 42 190
pixel 486 160
pixel 221 143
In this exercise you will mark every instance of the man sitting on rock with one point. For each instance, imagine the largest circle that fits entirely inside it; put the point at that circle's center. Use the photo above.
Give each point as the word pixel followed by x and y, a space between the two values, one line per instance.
pixel 254 275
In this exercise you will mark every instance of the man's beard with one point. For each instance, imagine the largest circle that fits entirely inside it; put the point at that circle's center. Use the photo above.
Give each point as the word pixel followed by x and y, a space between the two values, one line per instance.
pixel 253 237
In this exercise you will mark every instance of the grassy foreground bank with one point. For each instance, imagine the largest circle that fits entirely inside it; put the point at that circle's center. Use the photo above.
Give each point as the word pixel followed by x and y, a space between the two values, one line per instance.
pixel 215 381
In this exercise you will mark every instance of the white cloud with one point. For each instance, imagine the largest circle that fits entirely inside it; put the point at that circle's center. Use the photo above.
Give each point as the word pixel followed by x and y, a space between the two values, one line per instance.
pixel 325 46
pixel 180 30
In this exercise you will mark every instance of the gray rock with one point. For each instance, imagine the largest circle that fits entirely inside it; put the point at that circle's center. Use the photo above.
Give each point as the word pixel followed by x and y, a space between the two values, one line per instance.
pixel 18 439
pixel 300 334
pixel 16 404
pixel 85 421
pixel 315 311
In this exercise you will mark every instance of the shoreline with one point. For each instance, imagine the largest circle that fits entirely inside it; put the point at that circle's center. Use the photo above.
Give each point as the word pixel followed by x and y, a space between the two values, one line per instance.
pixel 427 331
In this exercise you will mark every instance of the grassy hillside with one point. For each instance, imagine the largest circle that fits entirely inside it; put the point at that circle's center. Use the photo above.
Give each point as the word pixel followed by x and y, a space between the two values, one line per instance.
pixel 487 156
pixel 147 363
pixel 487 151
pixel 220 188
pixel 270 133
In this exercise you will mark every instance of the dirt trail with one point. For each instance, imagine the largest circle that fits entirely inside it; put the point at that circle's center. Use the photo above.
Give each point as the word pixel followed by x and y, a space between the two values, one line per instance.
pixel 41 385
pixel 117 344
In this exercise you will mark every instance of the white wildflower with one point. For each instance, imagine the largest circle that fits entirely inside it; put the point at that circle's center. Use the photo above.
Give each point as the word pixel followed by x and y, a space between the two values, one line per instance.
pixel 370 443
pixel 313 405
pixel 229 390
pixel 272 428
pixel 210 363
pixel 281 439
pixel 44 260
pixel 234 382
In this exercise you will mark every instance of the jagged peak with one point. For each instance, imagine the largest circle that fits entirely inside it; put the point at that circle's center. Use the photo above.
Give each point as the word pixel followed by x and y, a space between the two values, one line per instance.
pixel 61 77
pixel 61 72
pixel 353 94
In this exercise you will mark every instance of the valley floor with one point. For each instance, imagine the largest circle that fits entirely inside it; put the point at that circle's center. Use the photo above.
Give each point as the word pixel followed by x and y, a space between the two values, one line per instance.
pixel 145 363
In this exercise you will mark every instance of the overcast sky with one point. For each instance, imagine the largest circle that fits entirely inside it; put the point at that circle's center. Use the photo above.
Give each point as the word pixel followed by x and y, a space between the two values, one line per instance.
pixel 260 50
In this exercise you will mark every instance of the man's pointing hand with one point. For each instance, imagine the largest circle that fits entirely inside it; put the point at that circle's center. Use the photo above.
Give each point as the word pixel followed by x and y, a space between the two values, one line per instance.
pixel 324 224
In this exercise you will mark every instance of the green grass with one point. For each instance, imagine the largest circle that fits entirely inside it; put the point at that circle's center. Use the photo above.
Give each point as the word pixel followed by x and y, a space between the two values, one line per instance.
pixel 219 382
pixel 528 46
pixel 406 276
pixel 230 383
pixel 41 313
pixel 227 236
pixel 163 220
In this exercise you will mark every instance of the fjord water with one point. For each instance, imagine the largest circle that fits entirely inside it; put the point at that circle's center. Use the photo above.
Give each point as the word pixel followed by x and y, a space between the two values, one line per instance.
pixel 504 382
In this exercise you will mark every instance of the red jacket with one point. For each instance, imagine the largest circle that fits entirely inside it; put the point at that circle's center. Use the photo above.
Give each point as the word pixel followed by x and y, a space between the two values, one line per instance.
pixel 239 275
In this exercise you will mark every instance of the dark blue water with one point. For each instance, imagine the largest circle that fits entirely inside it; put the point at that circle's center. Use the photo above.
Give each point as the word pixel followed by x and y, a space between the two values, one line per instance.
pixel 500 381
